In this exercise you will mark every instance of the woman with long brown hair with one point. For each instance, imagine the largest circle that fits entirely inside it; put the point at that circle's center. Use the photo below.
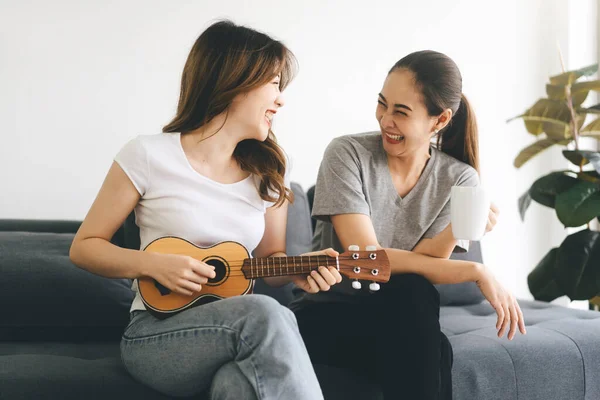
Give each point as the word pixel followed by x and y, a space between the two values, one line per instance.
pixel 391 189
pixel 215 174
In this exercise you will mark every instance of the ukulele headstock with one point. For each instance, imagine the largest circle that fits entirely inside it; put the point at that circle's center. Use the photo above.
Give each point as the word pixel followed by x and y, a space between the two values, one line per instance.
pixel 370 264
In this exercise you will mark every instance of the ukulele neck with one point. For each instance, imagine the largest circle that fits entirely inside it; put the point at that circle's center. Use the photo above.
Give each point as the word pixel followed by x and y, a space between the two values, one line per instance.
pixel 264 267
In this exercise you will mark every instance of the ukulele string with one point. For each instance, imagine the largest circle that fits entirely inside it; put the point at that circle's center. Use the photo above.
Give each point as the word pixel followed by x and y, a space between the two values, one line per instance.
pixel 240 263
pixel 240 273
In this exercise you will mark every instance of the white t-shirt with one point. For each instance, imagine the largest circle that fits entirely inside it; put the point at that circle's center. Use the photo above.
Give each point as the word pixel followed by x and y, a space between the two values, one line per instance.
pixel 178 201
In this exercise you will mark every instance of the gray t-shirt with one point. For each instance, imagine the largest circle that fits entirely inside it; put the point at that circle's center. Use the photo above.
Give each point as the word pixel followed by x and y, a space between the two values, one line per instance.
pixel 354 178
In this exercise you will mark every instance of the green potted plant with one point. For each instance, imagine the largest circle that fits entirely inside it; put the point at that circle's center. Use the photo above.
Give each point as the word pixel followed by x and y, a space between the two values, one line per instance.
pixel 573 269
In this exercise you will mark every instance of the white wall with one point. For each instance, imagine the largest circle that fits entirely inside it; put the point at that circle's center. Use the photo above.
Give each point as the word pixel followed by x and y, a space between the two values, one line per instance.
pixel 78 79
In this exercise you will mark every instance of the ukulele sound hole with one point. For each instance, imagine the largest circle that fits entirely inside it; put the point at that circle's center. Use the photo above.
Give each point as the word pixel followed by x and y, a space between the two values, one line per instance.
pixel 162 289
pixel 221 270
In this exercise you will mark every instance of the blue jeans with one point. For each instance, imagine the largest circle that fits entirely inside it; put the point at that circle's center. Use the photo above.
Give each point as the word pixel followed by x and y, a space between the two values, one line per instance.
pixel 245 347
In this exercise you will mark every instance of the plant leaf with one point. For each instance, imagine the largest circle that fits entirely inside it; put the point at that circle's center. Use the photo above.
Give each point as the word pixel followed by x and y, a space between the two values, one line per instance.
pixel 583 157
pixel 555 131
pixel 571 269
pixel 553 113
pixel 545 190
pixel 575 158
pixel 524 202
pixel 554 128
pixel 542 280
pixel 595 109
pixel 579 98
pixel 589 176
pixel 577 262
pixel 585 86
pixel 535 148
pixel 578 205
pixel 571 76
pixel 592 129
pixel 558 92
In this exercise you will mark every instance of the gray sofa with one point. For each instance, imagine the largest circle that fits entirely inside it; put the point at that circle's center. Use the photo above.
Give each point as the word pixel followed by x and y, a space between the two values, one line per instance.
pixel 60 329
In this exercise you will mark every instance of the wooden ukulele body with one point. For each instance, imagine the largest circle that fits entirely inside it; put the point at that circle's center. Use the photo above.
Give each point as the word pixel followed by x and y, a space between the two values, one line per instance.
pixel 230 281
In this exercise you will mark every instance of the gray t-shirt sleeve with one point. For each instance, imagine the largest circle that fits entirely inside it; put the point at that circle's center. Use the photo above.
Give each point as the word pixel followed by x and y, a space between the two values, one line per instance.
pixel 469 178
pixel 339 188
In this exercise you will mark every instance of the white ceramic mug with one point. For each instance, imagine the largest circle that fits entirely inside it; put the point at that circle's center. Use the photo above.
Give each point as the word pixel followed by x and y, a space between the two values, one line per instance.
pixel 469 209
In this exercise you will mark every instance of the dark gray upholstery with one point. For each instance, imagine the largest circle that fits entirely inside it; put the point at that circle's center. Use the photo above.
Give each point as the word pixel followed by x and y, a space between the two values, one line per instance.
pixel 52 347
pixel 50 295
pixel 52 371
pixel 559 358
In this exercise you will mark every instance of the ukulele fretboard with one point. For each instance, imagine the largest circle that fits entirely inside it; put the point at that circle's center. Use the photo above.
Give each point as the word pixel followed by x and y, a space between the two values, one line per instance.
pixel 279 266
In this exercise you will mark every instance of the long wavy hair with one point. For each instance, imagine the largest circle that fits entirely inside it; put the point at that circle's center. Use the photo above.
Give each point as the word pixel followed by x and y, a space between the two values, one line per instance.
pixel 225 61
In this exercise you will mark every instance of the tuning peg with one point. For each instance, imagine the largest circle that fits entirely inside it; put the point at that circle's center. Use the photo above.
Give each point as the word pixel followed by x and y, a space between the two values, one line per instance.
pixel 374 286
pixel 371 248
pixel 353 247
pixel 356 285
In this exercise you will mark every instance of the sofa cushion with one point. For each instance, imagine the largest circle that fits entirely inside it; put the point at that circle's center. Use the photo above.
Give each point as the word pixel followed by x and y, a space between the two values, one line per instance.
pixel 556 359
pixel 51 298
pixel 299 233
pixel 465 293
pixel 42 370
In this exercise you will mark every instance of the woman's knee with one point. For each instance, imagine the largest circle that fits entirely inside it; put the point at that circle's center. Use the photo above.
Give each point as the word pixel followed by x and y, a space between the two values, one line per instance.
pixel 260 303
pixel 266 310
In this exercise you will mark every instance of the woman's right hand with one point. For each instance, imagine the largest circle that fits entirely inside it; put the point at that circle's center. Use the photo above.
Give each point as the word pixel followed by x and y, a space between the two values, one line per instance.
pixel 180 274
pixel 505 304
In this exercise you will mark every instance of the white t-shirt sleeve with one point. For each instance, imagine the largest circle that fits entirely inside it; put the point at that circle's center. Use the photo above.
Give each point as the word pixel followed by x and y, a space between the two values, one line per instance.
pixel 133 159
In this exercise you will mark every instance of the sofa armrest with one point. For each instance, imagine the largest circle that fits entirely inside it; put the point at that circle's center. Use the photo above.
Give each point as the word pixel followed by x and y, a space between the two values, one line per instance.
pixel 39 225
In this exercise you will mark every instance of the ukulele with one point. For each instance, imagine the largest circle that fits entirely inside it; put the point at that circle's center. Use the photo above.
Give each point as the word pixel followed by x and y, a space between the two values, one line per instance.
pixel 236 270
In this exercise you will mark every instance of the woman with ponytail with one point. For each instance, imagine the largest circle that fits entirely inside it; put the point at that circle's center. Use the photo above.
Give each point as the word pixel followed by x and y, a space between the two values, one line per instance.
pixel 391 189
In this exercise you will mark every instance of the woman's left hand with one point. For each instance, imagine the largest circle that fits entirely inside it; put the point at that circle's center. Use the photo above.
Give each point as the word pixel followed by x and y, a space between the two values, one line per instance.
pixel 320 279
pixel 492 218
pixel 506 306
